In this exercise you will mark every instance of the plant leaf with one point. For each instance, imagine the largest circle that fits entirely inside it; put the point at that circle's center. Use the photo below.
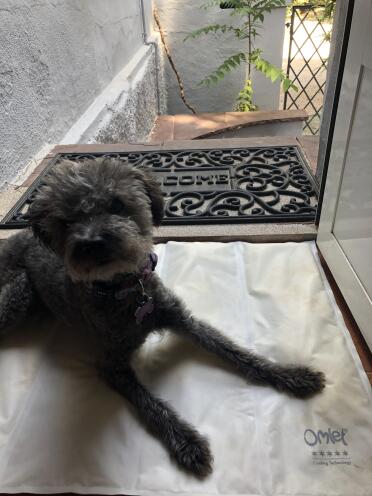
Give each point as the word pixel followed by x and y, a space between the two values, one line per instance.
pixel 227 66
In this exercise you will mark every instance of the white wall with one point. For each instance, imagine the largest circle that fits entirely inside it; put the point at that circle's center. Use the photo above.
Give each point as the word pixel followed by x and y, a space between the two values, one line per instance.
pixel 56 58
pixel 197 58
pixel 272 41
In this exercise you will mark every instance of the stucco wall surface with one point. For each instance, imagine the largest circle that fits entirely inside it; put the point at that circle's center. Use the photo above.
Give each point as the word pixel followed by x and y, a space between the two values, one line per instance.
pixel 56 57
pixel 132 117
pixel 197 58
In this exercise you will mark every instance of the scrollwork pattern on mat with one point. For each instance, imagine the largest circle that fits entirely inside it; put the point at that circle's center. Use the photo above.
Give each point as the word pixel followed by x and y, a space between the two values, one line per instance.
pixel 263 184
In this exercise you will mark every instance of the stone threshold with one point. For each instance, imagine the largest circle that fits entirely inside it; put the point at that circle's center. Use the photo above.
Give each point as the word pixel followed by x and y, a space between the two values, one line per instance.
pixel 252 233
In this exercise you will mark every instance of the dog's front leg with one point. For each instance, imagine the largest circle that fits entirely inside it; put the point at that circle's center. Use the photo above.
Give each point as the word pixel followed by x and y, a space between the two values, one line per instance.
pixel 297 380
pixel 185 444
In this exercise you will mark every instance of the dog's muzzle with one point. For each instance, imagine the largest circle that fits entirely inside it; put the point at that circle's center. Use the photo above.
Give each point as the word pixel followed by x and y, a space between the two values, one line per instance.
pixel 95 250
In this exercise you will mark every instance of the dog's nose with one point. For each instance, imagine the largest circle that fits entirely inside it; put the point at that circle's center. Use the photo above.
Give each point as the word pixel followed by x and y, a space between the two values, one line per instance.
pixel 91 248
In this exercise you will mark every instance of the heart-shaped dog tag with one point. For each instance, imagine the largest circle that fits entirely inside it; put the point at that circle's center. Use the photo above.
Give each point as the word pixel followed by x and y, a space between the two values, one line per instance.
pixel 145 307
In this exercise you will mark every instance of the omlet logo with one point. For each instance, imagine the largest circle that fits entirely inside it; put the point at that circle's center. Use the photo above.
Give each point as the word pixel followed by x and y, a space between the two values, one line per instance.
pixel 312 438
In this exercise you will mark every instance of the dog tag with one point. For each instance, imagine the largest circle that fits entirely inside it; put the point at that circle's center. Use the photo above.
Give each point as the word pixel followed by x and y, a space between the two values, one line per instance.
pixel 145 307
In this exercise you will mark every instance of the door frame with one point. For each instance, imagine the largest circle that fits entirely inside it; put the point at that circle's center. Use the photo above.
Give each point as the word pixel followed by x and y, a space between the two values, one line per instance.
pixel 341 29
pixel 346 278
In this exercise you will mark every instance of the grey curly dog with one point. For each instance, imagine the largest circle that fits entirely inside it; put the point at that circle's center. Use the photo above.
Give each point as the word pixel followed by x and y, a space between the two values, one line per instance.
pixel 88 260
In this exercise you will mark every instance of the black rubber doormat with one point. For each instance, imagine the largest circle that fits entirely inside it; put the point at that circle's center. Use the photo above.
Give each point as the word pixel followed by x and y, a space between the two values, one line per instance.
pixel 223 186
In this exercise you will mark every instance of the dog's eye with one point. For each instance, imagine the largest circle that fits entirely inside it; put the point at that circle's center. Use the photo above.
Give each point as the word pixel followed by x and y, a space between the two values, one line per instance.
pixel 116 206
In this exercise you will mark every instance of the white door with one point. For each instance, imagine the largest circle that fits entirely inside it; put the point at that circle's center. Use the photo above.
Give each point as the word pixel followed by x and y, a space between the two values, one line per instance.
pixel 345 229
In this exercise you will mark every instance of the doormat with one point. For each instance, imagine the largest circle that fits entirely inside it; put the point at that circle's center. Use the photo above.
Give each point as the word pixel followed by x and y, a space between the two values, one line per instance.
pixel 218 186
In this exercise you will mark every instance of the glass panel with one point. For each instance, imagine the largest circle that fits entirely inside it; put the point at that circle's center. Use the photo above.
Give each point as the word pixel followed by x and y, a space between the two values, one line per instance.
pixel 353 223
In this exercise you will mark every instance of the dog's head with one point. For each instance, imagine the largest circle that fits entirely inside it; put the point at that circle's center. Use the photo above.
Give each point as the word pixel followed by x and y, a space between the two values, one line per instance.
pixel 97 216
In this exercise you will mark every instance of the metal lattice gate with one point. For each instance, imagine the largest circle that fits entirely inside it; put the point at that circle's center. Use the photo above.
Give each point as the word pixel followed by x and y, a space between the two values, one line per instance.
pixel 307 62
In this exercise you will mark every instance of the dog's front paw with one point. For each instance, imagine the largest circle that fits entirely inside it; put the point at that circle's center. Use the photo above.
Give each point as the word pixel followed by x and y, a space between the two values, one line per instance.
pixel 193 454
pixel 299 381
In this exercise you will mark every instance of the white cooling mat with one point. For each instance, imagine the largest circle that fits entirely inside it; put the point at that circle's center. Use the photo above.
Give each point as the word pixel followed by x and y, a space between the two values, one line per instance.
pixel 63 430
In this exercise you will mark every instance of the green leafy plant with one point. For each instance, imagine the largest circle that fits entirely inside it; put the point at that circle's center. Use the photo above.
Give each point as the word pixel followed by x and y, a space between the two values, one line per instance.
pixel 329 9
pixel 244 101
pixel 252 15
pixel 328 15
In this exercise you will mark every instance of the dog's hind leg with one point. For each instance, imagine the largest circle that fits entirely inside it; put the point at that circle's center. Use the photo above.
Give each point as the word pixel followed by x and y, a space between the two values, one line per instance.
pixel 297 380
pixel 16 297
pixel 185 444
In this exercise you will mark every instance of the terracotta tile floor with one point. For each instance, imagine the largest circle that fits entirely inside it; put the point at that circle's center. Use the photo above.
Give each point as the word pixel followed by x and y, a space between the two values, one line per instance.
pixel 203 125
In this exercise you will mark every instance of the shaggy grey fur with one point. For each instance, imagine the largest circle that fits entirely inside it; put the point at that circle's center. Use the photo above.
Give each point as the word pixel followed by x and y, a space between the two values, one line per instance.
pixel 92 227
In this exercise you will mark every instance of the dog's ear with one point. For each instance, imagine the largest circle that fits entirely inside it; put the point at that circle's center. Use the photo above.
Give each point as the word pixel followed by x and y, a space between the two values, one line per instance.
pixel 44 213
pixel 36 217
pixel 154 192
